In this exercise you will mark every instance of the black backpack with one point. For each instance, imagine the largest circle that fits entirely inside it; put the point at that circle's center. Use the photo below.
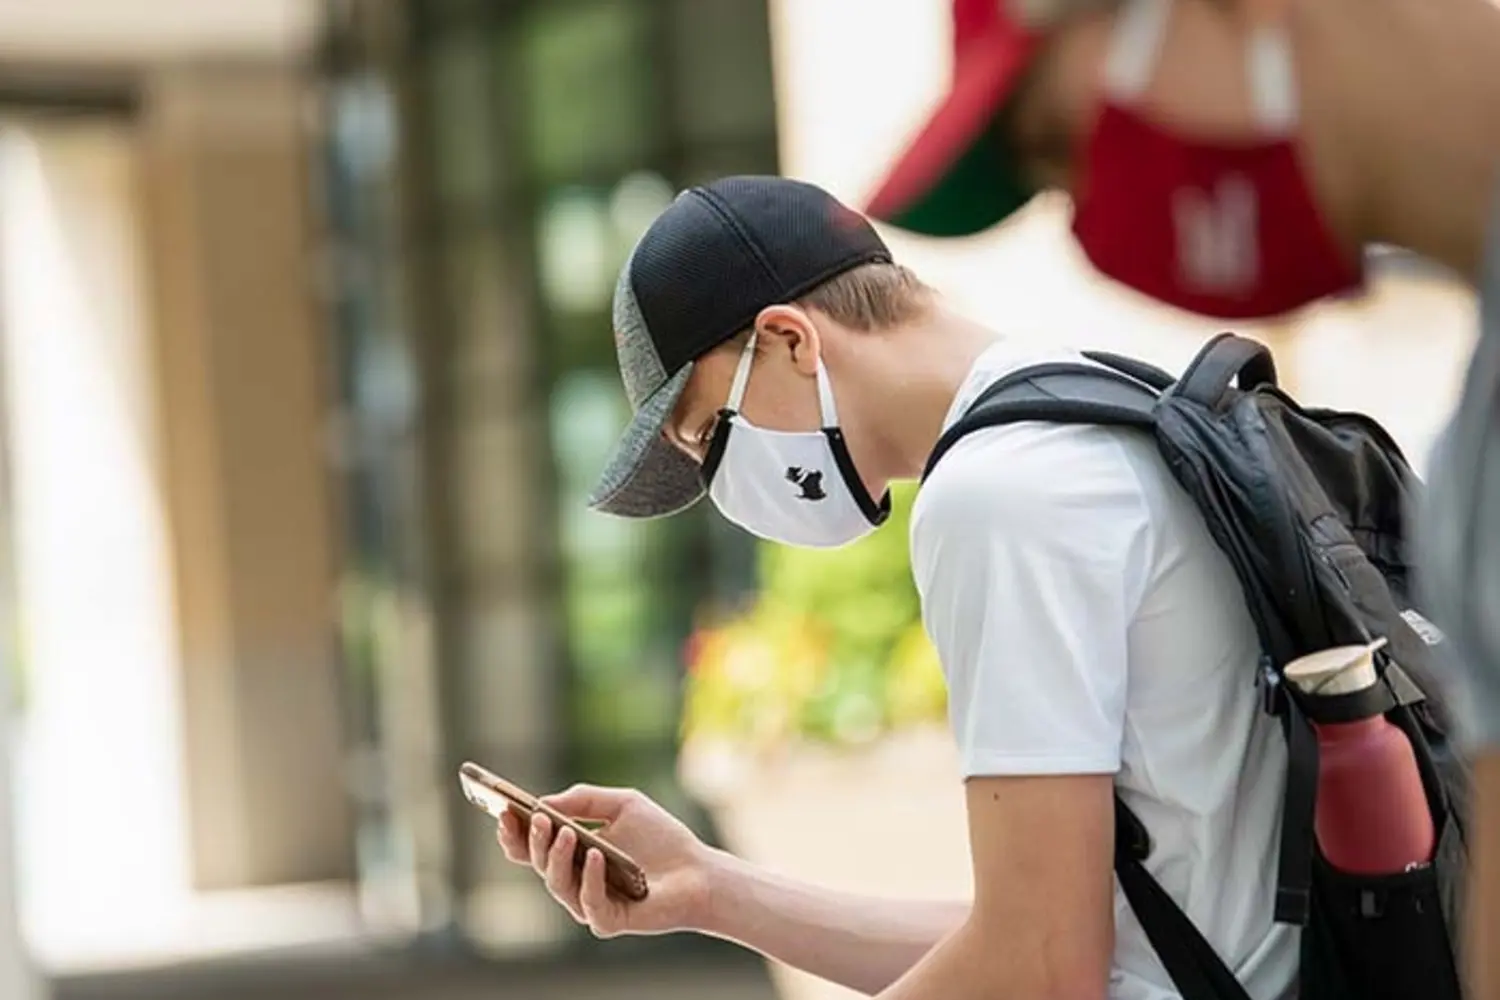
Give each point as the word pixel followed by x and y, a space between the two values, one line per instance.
pixel 1312 508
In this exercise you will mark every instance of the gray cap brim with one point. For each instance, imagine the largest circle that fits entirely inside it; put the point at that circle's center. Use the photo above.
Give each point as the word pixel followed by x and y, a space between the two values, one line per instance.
pixel 646 476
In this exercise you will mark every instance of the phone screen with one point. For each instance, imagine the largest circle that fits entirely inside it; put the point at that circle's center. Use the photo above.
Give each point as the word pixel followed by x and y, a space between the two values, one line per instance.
pixel 487 799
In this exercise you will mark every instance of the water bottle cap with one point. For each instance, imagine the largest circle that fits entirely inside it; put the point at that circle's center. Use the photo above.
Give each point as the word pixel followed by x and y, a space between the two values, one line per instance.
pixel 1340 670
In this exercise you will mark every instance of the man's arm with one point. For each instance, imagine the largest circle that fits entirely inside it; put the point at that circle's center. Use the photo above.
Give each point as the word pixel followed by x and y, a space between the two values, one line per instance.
pixel 861 942
pixel 1042 924
pixel 1032 554
pixel 864 943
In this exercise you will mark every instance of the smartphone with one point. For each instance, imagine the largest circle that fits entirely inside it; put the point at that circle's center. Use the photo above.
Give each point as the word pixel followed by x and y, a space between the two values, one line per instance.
pixel 494 795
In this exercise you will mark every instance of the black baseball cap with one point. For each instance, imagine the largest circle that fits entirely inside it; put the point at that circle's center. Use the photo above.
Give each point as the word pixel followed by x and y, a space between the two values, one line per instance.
pixel 703 271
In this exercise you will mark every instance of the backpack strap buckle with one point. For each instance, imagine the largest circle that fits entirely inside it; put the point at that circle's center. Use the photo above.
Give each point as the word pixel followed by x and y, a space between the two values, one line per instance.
pixel 1293 905
pixel 1273 696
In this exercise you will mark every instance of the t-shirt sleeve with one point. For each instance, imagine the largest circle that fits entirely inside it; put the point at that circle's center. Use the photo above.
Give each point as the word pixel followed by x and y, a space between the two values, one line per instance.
pixel 1030 550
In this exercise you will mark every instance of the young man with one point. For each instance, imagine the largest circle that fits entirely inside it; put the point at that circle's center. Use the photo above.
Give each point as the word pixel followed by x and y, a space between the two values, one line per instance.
pixel 1093 636
pixel 1233 158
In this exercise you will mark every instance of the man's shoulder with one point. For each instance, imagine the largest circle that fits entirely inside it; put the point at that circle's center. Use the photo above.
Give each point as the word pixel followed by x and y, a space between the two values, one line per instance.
pixel 1025 476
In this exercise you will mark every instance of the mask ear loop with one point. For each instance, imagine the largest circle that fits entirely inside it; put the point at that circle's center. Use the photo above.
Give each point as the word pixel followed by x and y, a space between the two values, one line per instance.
pixel 717 444
pixel 741 375
pixel 874 511
pixel 829 411
pixel 1134 47
pixel 1273 78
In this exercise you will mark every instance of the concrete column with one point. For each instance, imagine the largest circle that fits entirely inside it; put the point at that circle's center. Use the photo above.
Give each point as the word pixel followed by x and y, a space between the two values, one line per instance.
pixel 241 360
pixel 18 978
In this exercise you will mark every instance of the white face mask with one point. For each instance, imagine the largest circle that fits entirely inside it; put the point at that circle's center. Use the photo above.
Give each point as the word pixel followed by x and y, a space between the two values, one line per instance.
pixel 794 487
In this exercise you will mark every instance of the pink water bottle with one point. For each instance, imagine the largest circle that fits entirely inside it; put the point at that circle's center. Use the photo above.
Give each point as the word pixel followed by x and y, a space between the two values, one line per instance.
pixel 1372 816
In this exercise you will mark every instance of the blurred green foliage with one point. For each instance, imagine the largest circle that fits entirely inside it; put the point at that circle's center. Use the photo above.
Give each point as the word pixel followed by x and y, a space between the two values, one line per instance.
pixel 832 650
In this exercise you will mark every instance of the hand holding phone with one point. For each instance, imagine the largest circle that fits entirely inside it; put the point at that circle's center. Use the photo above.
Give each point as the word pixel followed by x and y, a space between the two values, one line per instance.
pixel 494 795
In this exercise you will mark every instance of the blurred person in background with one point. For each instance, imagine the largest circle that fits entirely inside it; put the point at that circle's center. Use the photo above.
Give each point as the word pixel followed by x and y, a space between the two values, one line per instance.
pixel 779 361
pixel 1234 158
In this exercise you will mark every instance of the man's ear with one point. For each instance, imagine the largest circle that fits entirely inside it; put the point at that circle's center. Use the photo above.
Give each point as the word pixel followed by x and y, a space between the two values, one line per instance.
pixel 789 328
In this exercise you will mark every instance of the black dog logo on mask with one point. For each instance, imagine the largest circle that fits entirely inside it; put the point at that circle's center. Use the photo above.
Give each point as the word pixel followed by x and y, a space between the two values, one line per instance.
pixel 809 481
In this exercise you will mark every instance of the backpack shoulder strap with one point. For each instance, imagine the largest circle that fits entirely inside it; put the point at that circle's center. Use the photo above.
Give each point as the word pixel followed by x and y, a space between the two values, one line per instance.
pixel 1226 359
pixel 1060 393
pixel 1196 969
pixel 1142 371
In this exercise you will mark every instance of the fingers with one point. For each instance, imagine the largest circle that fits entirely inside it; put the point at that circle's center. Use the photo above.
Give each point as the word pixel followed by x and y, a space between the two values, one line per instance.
pixel 592 802
pixel 560 874
pixel 593 896
pixel 511 832
pixel 583 892
pixel 552 857
pixel 539 842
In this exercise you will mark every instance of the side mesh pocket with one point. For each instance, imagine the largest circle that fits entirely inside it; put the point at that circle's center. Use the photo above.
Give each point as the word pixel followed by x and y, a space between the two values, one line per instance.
pixel 1382 937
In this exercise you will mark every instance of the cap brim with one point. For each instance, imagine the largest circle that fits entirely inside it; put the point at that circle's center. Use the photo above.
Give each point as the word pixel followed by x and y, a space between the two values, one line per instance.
pixel 646 476
pixel 956 178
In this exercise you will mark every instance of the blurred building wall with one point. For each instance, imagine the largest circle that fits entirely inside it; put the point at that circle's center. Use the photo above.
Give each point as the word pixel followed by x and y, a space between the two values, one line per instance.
pixel 166 146
pixel 852 89
pixel 93 33
pixel 240 350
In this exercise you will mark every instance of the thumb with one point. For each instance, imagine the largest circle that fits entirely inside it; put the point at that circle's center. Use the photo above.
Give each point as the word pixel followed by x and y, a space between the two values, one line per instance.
pixel 592 802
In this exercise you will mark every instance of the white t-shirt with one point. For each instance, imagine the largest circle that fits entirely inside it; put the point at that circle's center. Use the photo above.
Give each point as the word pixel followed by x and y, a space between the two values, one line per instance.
pixel 1088 624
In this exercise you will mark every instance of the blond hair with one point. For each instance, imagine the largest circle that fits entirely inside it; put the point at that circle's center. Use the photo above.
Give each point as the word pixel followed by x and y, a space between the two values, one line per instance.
pixel 871 297
pixel 866 298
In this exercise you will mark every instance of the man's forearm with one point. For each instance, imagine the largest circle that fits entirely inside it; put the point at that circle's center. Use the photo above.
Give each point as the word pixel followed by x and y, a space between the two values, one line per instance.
pixel 862 942
pixel 979 963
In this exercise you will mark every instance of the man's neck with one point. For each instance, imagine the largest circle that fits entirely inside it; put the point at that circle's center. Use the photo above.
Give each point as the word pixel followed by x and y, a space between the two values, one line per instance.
pixel 1432 127
pixel 916 377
